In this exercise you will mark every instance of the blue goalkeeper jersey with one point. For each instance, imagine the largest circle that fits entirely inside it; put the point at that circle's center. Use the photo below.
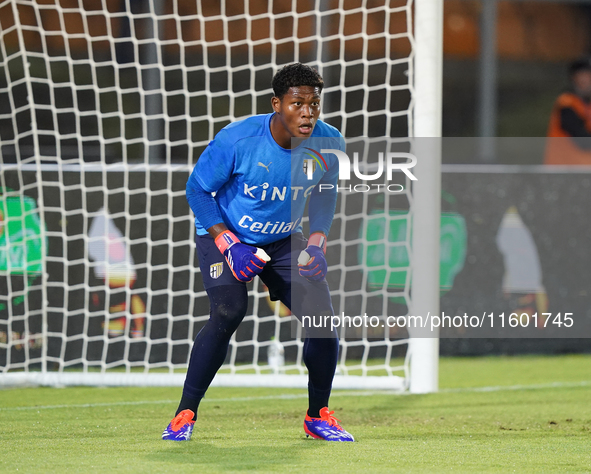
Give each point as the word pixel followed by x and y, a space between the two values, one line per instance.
pixel 261 188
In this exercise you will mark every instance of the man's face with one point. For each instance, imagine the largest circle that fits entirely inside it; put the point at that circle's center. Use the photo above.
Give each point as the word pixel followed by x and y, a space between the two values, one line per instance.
pixel 298 110
pixel 582 82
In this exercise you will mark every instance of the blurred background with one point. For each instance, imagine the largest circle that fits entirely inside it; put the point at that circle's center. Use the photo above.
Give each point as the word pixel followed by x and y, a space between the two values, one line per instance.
pixel 505 62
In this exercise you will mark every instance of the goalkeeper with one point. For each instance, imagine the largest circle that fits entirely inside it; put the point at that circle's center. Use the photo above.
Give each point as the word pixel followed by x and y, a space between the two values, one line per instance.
pixel 248 192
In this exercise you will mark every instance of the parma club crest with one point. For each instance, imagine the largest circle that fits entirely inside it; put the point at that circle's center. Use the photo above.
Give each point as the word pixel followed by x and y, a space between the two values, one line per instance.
pixel 215 270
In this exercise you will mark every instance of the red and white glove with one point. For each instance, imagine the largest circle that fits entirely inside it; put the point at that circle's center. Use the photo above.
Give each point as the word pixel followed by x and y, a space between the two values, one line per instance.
pixel 312 262
pixel 245 261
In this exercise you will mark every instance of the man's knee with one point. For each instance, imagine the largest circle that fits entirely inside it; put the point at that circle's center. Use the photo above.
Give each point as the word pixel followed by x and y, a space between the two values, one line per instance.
pixel 228 305
pixel 229 312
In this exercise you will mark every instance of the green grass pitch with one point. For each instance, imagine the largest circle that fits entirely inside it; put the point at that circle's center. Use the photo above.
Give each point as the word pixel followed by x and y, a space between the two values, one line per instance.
pixel 497 414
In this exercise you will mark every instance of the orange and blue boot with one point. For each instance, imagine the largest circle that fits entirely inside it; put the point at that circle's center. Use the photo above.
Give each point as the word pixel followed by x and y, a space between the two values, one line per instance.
pixel 180 428
pixel 326 427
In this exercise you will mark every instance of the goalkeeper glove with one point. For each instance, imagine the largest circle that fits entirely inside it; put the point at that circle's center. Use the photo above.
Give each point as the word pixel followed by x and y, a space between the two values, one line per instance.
pixel 245 261
pixel 311 262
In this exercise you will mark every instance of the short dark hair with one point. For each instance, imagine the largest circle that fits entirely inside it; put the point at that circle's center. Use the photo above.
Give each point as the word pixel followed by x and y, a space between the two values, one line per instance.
pixel 295 75
pixel 581 64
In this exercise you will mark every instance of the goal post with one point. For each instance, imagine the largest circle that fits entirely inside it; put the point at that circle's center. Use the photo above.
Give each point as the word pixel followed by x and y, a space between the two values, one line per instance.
pixel 427 189
pixel 105 107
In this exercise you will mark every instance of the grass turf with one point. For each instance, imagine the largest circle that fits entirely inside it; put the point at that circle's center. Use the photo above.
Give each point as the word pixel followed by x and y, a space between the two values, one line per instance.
pixel 501 414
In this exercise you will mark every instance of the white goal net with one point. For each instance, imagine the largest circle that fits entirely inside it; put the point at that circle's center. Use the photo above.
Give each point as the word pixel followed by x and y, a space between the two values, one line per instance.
pixel 105 106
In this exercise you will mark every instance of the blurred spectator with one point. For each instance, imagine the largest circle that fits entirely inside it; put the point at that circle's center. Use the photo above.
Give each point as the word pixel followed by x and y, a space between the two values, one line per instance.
pixel 569 131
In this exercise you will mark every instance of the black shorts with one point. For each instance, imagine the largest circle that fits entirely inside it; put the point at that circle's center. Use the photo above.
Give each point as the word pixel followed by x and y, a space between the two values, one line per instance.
pixel 280 275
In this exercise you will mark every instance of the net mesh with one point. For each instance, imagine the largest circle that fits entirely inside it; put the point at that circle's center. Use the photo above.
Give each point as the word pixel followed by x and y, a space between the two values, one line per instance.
pixel 105 106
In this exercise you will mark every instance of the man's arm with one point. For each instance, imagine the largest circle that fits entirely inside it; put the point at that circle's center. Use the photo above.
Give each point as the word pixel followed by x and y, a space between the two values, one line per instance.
pixel 312 263
pixel 204 207
pixel 245 261
pixel 321 209
pixel 323 200
pixel 216 230
pixel 206 210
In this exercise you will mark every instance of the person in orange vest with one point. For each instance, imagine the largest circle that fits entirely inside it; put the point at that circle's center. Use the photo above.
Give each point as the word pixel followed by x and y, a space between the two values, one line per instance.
pixel 569 131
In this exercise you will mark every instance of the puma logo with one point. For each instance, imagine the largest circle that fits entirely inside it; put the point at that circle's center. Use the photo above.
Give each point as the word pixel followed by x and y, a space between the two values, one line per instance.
pixel 265 166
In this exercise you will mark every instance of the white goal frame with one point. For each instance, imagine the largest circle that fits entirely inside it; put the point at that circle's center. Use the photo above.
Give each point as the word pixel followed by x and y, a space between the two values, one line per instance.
pixel 422 356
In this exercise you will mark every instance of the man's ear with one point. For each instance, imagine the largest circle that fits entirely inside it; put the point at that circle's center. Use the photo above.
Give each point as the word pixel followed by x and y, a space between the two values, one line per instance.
pixel 275 102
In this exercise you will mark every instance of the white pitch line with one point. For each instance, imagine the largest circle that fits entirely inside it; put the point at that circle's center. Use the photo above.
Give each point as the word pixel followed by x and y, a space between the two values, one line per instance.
pixel 507 388
pixel 288 396
pixel 294 396
pixel 89 405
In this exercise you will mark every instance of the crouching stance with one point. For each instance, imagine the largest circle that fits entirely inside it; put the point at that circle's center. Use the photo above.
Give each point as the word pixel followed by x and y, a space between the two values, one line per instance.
pixel 252 226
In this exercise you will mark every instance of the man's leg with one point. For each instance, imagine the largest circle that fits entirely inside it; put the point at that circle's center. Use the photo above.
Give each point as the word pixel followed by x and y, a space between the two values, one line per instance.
pixel 321 347
pixel 228 305
pixel 228 300
pixel 320 357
